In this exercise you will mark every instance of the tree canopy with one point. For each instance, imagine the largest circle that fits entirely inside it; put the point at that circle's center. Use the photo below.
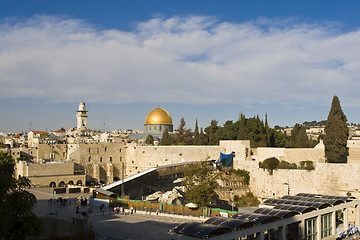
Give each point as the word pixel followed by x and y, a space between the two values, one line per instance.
pixel 254 129
pixel 16 219
pixel 149 140
pixel 336 134
pixel 200 183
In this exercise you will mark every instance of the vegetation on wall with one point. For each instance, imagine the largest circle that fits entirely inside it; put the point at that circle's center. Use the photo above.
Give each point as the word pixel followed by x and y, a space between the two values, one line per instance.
pixel 336 134
pixel 200 183
pixel 269 164
pixel 307 165
pixel 242 173
pixel 245 200
pixel 273 163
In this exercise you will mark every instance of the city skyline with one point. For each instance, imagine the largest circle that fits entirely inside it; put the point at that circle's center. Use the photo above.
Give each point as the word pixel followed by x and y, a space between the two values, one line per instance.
pixel 198 59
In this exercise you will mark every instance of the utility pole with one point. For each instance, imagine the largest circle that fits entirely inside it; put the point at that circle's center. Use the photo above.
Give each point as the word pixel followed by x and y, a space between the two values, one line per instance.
pixel 122 180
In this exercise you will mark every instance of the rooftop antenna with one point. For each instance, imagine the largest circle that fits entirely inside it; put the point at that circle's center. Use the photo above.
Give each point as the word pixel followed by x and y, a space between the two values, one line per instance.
pixel 104 120
pixel 30 127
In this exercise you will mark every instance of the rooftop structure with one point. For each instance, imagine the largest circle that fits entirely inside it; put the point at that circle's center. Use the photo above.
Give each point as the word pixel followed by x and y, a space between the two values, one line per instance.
pixel 304 216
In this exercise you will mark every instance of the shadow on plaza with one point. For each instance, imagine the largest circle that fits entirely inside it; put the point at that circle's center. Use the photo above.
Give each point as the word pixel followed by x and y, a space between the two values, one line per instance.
pixel 60 221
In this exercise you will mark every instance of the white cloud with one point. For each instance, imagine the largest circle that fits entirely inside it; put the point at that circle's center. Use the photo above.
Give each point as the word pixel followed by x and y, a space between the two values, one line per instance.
pixel 179 60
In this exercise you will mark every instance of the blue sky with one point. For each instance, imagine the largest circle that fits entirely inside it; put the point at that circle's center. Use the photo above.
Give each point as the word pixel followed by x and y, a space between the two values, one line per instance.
pixel 198 59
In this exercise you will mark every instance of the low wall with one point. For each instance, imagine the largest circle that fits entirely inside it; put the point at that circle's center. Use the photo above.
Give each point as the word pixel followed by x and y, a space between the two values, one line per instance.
pixel 45 181
pixel 50 169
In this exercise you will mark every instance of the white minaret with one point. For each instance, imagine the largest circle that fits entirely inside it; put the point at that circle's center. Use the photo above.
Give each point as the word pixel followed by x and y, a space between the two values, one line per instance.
pixel 81 116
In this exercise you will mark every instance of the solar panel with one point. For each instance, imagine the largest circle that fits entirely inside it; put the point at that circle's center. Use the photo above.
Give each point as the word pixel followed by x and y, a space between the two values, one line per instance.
pixel 256 218
pixel 274 202
pixel 200 230
pixel 330 201
pixel 230 223
pixel 276 212
pixel 344 198
pixel 297 208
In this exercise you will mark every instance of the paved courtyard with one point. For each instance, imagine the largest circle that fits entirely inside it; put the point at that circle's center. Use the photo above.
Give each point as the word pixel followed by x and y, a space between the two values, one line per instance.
pixel 107 225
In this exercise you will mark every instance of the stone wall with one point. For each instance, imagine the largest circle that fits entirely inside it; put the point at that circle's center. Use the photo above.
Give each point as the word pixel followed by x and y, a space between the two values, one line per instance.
pixel 46 181
pixel 44 173
pixel 141 158
pixel 328 179
pixel 49 169
pixel 55 152
pixel 292 155
pixel 102 161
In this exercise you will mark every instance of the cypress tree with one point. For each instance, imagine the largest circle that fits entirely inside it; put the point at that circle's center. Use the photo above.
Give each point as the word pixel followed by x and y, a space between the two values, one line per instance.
pixel 267 131
pixel 196 140
pixel 242 128
pixel 203 139
pixel 166 138
pixel 336 134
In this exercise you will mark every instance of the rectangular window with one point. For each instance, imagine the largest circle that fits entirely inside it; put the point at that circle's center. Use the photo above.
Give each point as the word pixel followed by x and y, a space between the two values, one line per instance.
pixel 89 159
pixel 326 226
pixel 100 159
pixel 310 229
pixel 120 159
pixel 110 159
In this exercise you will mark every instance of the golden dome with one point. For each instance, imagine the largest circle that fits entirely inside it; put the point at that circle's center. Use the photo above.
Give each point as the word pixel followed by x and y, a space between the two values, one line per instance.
pixel 158 116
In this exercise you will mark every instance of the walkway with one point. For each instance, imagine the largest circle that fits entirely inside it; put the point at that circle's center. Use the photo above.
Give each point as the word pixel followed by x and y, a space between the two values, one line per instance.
pixel 108 225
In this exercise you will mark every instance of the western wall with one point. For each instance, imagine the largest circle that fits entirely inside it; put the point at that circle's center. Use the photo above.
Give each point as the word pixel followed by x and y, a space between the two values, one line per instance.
pixel 326 178
pixel 105 163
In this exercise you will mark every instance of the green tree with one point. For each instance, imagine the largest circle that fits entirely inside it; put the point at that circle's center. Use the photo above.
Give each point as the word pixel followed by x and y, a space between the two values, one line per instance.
pixel 166 139
pixel 278 139
pixel 211 132
pixel 183 135
pixel 200 183
pixel 203 138
pixel 16 219
pixel 336 134
pixel 242 128
pixel 149 140
pixel 196 139
pixel 299 138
